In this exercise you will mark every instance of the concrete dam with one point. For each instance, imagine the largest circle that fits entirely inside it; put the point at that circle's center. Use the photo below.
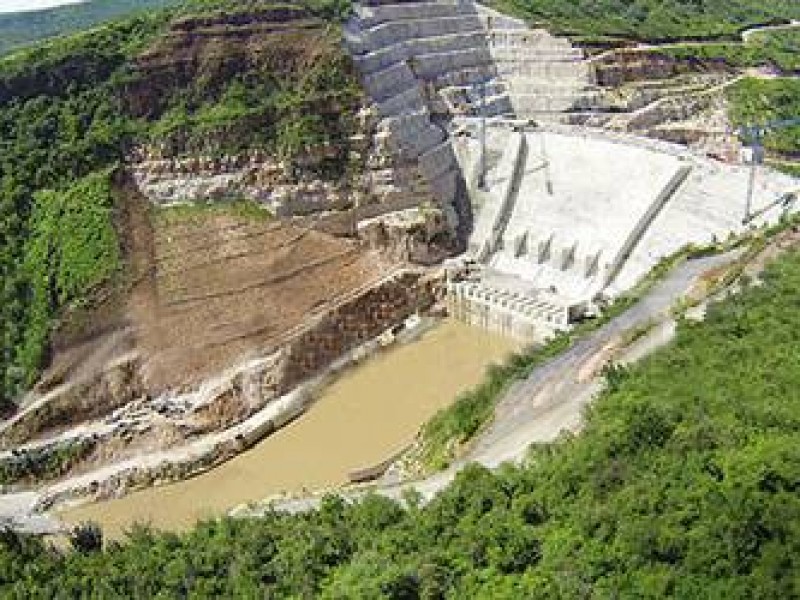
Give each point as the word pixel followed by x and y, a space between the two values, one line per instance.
pixel 473 142
pixel 562 216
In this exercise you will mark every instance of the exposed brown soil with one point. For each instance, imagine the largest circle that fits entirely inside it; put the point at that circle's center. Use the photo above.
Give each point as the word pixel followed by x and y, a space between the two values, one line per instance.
pixel 205 289
pixel 221 287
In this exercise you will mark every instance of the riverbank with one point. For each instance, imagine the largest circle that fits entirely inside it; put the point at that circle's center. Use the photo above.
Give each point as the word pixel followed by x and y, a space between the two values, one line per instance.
pixel 365 416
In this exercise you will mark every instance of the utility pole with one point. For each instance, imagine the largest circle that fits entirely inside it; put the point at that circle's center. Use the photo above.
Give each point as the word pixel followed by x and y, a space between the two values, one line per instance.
pixel 483 160
pixel 753 137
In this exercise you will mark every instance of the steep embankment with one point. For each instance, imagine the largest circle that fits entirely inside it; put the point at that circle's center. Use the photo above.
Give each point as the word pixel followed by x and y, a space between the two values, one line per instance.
pixel 121 301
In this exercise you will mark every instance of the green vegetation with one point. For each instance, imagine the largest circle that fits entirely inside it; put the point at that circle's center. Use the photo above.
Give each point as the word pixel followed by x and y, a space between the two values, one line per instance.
pixel 34 466
pixel 651 20
pixel 285 113
pixel 444 436
pixel 778 50
pixel 198 212
pixel 71 108
pixel 759 101
pixel 19 29
pixel 61 123
pixel 678 487
pixel 71 249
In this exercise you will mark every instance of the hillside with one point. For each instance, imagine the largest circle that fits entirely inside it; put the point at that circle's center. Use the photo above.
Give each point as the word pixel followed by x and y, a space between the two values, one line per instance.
pixel 651 20
pixel 73 109
pixel 20 29
pixel 678 487
pixel 209 210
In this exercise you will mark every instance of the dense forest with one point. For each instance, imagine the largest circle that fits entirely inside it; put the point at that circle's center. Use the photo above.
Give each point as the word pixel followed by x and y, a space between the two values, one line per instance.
pixel 679 486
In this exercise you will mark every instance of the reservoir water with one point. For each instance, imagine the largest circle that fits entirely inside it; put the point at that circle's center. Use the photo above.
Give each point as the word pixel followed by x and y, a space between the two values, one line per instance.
pixel 371 412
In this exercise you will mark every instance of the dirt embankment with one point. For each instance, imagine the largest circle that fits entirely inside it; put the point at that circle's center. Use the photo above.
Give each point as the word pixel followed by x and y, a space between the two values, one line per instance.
pixel 224 287
pixel 623 66
pixel 205 288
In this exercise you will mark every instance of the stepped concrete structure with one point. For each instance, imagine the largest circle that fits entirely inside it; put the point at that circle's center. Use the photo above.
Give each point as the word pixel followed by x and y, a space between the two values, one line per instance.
pixel 546 76
pixel 563 217
pixel 421 63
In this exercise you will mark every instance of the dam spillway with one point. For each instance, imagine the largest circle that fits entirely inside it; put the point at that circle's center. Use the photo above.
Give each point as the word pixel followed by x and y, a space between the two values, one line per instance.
pixel 571 216
pixel 564 218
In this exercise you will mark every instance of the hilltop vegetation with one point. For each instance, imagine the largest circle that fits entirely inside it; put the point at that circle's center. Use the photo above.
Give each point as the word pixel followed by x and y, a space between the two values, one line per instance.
pixel 759 101
pixel 20 29
pixel 778 50
pixel 651 20
pixel 678 487
pixel 632 19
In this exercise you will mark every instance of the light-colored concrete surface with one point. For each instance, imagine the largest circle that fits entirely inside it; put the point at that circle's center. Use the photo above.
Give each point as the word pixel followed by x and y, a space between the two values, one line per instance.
pixel 594 212
pixel 545 75
pixel 549 401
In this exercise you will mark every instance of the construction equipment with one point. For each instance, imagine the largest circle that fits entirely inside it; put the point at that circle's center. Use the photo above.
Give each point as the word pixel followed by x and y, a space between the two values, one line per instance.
pixel 753 137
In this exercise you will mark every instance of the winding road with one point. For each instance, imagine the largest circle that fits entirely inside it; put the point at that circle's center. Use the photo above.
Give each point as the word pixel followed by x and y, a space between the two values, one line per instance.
pixel 552 398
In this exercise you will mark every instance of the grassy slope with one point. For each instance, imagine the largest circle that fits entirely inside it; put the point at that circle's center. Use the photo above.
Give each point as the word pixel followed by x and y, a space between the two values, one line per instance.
pixel 651 20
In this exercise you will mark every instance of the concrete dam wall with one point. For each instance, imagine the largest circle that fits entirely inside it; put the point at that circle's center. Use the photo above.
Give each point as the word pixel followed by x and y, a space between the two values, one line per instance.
pixel 566 216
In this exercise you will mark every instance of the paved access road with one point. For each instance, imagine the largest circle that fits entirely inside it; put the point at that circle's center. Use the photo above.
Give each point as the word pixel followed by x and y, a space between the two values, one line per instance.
pixel 534 410
pixel 552 398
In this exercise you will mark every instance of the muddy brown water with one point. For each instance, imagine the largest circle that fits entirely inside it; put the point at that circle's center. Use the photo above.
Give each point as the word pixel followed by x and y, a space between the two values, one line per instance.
pixel 370 413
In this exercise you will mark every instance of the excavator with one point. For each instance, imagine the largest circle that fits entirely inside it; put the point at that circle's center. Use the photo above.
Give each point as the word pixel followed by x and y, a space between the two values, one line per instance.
pixel 753 137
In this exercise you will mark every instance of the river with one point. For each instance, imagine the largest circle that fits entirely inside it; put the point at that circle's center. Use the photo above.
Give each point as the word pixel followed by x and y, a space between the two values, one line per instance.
pixel 370 413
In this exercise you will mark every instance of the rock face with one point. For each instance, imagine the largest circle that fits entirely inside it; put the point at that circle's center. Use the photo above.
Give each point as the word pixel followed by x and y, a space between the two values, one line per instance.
pixel 625 66
pixel 376 177
pixel 220 47
pixel 420 64
pixel 254 176
pixel 356 321
pixel 119 384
